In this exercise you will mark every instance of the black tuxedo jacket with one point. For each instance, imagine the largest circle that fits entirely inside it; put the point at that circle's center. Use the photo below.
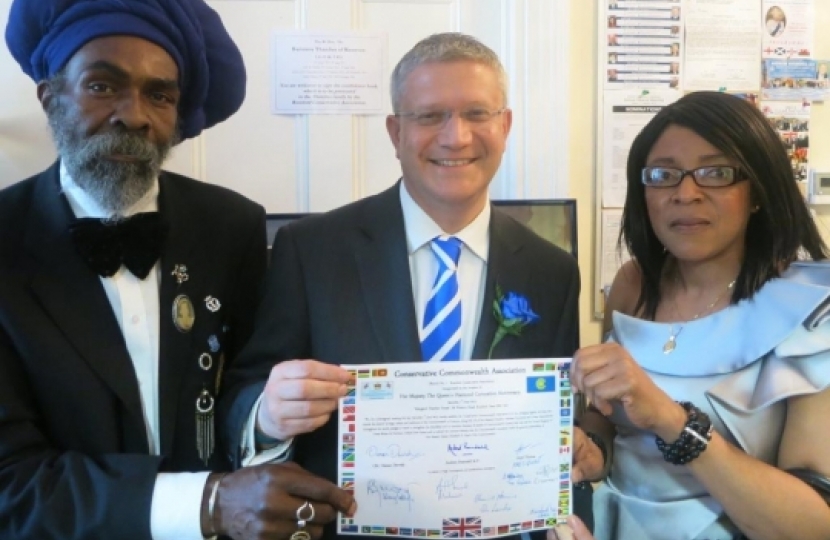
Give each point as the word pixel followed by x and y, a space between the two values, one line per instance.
pixel 339 291
pixel 74 459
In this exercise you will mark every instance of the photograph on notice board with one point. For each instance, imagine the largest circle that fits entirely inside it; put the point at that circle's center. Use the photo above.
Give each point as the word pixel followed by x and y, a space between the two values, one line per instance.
pixel 791 119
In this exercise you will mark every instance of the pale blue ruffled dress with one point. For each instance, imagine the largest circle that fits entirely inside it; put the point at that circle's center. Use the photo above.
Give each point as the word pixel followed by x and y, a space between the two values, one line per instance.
pixel 739 365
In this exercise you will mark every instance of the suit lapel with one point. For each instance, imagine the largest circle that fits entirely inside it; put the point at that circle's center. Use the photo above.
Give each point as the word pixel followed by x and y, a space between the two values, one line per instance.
pixel 174 346
pixel 383 265
pixel 506 269
pixel 73 295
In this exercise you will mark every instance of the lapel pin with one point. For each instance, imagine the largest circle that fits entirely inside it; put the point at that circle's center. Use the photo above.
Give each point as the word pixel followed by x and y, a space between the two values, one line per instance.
pixel 213 343
pixel 205 361
pixel 183 313
pixel 180 273
pixel 212 304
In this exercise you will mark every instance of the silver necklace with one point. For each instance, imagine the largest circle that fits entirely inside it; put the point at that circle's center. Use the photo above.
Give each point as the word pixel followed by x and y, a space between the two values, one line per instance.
pixel 671 344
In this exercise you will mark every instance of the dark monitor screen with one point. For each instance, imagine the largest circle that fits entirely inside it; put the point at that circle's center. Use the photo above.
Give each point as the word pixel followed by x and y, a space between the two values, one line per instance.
pixel 274 221
pixel 552 219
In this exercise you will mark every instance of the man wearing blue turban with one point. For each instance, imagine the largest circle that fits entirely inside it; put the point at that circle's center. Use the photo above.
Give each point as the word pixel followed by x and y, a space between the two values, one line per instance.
pixel 125 291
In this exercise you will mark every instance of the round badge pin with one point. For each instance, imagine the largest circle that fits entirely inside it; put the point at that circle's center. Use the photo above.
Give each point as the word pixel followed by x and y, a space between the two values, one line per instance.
pixel 205 361
pixel 183 313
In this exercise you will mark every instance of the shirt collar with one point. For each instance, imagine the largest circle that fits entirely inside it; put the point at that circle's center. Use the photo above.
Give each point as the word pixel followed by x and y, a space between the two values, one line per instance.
pixel 85 206
pixel 421 229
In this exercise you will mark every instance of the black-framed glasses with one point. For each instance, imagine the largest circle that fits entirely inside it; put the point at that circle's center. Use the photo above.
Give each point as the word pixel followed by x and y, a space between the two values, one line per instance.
pixel 714 176
pixel 438 119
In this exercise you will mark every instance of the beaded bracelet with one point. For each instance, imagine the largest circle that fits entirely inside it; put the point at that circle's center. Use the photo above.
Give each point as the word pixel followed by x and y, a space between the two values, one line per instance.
pixel 693 439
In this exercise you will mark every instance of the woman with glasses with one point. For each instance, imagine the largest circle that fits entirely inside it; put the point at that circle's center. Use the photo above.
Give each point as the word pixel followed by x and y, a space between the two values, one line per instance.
pixel 717 371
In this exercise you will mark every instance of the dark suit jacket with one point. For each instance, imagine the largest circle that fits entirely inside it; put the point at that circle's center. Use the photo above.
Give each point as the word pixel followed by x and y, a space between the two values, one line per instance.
pixel 74 459
pixel 339 291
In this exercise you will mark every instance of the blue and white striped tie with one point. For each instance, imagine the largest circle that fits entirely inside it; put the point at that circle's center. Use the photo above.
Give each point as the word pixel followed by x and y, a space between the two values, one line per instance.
pixel 441 333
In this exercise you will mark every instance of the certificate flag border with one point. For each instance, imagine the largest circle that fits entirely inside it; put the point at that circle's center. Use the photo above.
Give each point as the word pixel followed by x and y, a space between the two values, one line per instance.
pixel 556 371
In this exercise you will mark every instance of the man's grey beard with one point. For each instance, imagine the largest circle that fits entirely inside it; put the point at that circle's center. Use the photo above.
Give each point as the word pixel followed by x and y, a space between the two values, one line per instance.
pixel 114 185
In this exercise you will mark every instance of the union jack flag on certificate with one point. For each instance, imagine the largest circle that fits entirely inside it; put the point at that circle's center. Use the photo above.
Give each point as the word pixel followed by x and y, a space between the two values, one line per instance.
pixel 469 527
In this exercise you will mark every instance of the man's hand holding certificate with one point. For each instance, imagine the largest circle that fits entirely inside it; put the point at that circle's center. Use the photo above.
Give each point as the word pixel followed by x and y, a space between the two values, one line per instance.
pixel 457 449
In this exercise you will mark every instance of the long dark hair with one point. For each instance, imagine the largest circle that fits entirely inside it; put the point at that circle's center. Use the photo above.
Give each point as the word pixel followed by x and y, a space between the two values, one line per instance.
pixel 775 232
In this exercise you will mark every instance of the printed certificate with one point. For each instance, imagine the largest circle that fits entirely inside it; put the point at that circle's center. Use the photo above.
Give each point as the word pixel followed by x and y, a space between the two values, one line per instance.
pixel 456 449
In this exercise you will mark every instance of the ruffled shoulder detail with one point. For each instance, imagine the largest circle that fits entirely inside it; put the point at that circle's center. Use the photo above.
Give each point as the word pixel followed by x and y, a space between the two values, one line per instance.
pixel 786 316
pixel 798 364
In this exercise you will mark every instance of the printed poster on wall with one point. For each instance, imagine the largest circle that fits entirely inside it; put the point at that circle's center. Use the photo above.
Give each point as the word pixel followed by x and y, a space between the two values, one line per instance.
pixel 722 44
pixel 644 40
pixel 788 28
pixel 327 73
pixel 627 111
pixel 795 79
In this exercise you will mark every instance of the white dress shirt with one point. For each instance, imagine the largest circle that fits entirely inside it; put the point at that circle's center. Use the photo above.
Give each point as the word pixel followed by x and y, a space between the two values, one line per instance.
pixel 472 265
pixel 177 497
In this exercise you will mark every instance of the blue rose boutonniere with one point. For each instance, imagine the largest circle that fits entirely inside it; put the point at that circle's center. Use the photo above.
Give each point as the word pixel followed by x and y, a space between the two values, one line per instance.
pixel 512 312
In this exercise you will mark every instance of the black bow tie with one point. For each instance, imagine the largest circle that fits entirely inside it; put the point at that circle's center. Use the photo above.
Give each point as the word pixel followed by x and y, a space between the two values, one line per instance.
pixel 136 242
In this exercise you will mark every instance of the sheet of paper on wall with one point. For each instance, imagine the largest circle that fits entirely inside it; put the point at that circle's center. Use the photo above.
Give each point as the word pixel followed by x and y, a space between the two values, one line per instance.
pixel 626 113
pixel 722 44
pixel 795 79
pixel 318 72
pixel 788 28
pixel 791 119
pixel 643 43
pixel 456 449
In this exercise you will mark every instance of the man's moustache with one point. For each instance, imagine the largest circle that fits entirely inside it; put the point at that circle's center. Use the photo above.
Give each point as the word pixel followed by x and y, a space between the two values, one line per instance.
pixel 121 144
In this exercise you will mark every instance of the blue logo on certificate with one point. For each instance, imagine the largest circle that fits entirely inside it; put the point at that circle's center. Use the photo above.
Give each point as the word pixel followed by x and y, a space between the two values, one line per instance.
pixel 541 384
pixel 376 389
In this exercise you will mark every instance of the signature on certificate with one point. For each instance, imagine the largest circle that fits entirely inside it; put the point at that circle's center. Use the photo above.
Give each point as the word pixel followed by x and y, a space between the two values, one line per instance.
pixel 393 451
pixel 390 493
pixel 544 511
pixel 515 479
pixel 490 503
pixel 450 487
pixel 452 448
pixel 524 447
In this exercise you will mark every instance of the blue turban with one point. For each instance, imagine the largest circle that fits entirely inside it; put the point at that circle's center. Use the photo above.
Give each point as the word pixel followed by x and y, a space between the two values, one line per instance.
pixel 43 35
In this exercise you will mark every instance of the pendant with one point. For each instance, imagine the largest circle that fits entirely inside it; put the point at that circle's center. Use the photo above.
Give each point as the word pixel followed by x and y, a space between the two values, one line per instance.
pixel 204 426
pixel 669 345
